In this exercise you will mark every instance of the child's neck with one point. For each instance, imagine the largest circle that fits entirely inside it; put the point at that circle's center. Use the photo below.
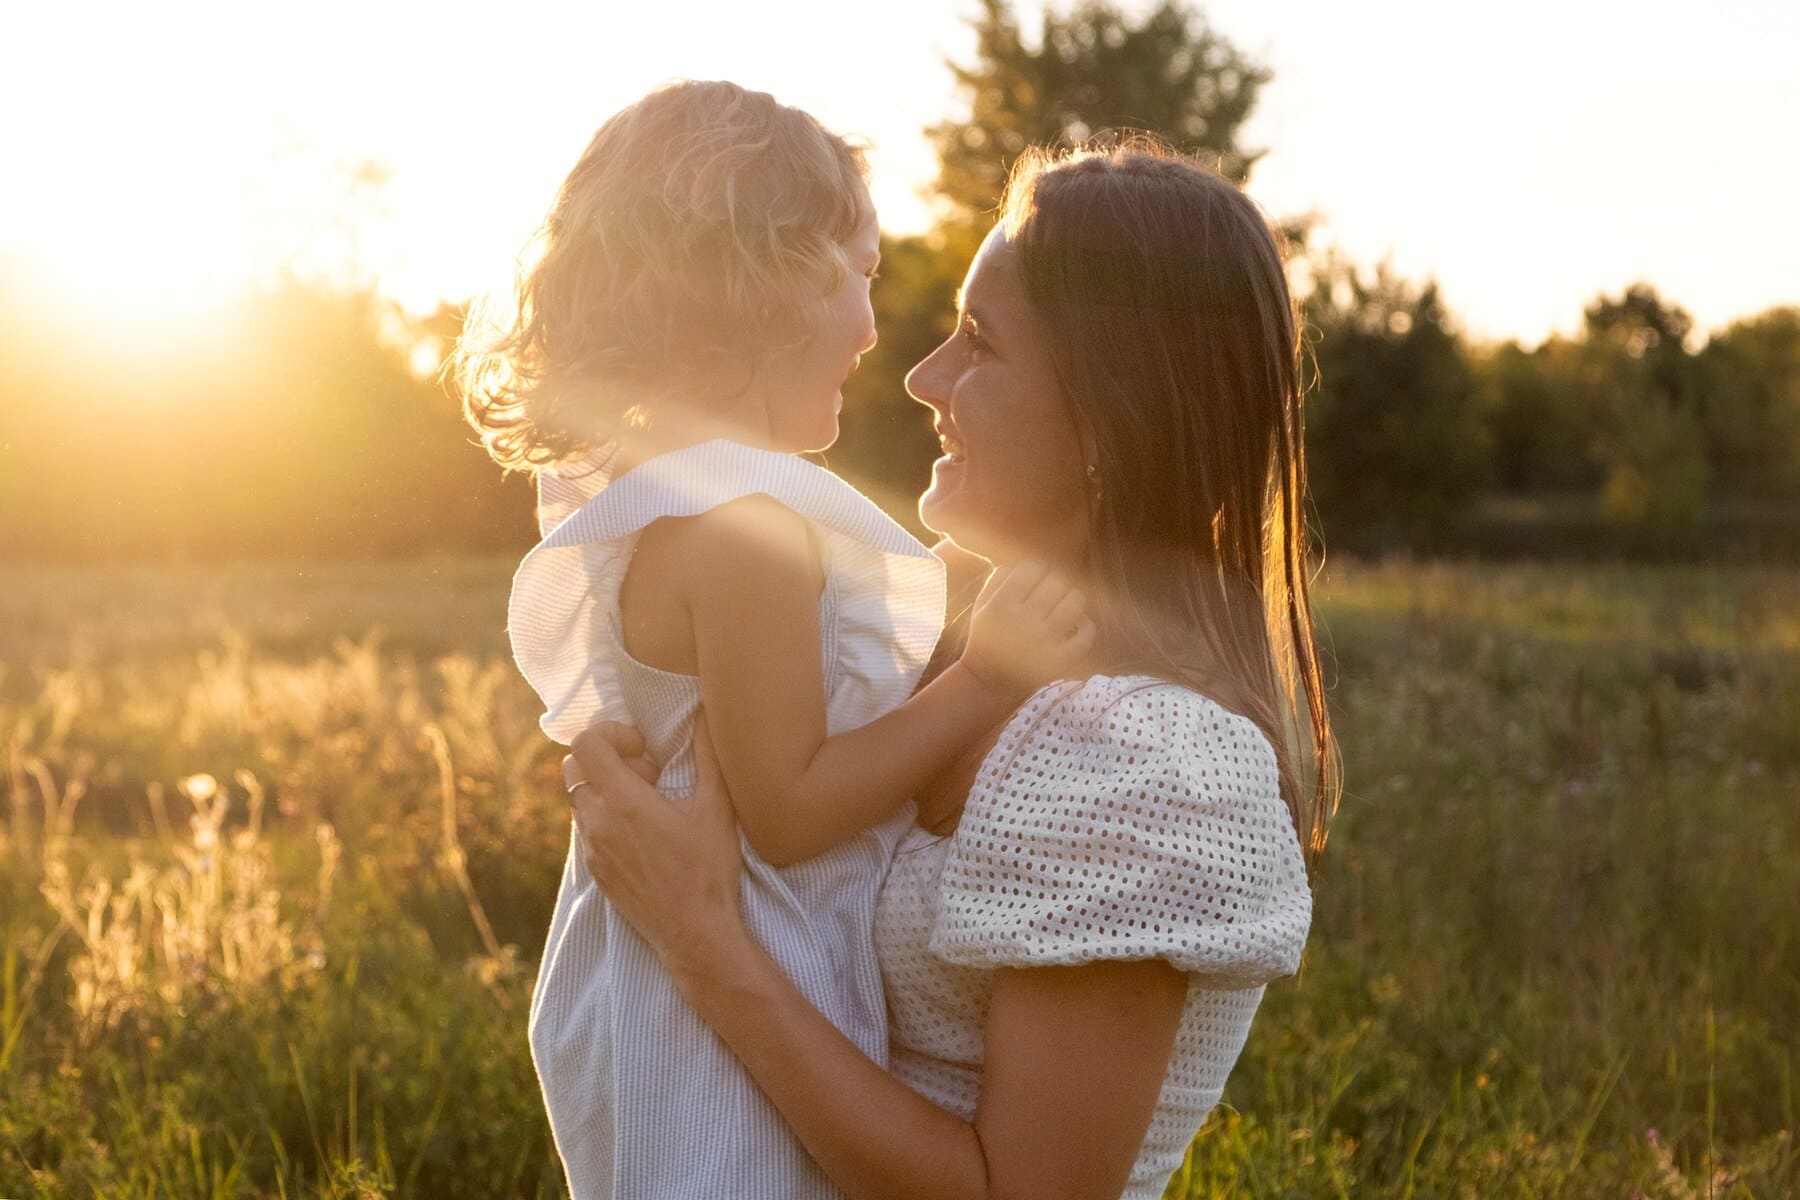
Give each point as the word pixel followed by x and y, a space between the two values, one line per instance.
pixel 677 428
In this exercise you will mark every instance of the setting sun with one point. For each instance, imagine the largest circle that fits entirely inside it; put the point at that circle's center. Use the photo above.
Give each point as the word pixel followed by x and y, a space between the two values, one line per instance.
pixel 147 258
pixel 199 145
pixel 129 201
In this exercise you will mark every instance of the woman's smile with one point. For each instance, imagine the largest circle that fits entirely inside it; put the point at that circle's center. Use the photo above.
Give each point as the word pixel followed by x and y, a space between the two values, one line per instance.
pixel 1010 482
pixel 952 448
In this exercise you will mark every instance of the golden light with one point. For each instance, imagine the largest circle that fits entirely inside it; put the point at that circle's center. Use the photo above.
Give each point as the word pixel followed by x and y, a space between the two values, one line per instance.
pixel 161 238
pixel 157 258
pixel 128 202
pixel 149 193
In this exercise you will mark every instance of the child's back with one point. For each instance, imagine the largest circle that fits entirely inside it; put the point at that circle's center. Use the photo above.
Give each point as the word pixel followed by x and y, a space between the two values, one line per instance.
pixel 644 1100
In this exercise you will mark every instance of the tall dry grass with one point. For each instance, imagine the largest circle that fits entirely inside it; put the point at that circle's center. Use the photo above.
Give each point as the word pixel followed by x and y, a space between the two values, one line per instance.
pixel 264 907
pixel 279 848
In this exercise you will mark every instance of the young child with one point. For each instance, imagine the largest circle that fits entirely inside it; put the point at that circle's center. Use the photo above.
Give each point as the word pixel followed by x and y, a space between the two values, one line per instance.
pixel 702 294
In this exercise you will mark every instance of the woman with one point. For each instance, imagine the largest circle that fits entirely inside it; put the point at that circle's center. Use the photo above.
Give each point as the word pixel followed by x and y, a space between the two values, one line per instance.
pixel 1075 936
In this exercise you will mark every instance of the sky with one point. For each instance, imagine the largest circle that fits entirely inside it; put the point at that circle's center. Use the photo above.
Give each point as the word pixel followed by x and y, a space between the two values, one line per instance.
pixel 1527 156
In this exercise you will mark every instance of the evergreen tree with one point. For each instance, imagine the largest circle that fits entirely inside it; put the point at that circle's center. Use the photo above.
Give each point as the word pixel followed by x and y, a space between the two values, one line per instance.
pixel 1752 405
pixel 1090 70
pixel 1539 418
pixel 1646 391
pixel 1395 443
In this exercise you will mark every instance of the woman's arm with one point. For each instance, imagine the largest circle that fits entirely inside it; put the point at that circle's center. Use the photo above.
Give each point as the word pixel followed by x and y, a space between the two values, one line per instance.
pixel 751 587
pixel 1073 1063
pixel 1074 1056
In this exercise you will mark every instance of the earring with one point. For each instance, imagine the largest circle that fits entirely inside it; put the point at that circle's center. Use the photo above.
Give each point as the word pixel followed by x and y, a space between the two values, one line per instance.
pixel 1093 478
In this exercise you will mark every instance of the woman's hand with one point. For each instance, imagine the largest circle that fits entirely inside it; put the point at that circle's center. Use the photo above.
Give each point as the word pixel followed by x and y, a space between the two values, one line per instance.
pixel 671 867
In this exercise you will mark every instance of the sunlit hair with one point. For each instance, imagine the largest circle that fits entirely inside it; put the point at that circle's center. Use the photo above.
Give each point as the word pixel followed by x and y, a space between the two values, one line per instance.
pixel 702 228
pixel 1175 340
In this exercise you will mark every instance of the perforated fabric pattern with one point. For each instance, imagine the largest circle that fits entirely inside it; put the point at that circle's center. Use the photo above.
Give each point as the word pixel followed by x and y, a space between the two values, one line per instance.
pixel 1130 819
pixel 1119 818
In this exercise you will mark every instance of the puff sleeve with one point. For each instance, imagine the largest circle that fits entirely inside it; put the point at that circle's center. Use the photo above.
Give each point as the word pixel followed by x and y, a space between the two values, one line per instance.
pixel 1127 819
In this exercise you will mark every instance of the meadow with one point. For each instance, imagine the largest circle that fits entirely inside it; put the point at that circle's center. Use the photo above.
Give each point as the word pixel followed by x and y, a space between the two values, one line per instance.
pixel 280 844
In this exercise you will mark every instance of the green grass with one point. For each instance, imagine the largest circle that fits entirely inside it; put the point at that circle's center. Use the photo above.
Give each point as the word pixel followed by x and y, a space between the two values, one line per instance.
pixel 1553 952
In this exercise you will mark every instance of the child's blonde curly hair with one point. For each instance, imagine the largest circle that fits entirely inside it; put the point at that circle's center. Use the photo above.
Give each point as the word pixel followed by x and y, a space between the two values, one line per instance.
pixel 704 225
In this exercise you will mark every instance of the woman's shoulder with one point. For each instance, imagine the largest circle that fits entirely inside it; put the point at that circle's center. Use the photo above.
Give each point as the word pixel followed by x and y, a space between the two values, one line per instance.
pixel 1138 723
pixel 1128 817
pixel 1135 770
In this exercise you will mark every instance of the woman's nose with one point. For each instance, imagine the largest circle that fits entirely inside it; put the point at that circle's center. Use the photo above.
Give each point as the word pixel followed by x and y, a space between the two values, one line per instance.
pixel 926 382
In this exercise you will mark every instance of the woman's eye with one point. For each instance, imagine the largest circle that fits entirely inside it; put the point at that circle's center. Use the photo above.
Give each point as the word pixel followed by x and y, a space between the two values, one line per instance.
pixel 971 339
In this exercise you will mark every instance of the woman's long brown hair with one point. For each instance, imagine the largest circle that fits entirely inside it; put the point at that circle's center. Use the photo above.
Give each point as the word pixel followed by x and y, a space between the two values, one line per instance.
pixel 1175 339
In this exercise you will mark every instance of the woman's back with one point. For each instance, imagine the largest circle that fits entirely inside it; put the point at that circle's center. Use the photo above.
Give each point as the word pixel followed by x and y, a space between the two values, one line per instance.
pixel 643 1099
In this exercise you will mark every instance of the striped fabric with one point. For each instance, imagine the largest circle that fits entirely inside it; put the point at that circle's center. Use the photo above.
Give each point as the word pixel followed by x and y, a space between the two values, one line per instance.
pixel 645 1102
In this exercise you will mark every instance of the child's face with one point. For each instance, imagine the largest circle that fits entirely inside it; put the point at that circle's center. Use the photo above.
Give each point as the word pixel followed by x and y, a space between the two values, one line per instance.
pixel 806 392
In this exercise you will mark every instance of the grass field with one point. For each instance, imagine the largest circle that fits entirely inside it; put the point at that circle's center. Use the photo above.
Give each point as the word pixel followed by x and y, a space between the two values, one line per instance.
pixel 280 846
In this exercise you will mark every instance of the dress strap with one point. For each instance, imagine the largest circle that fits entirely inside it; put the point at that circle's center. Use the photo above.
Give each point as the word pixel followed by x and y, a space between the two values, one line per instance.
pixel 688 482
pixel 889 586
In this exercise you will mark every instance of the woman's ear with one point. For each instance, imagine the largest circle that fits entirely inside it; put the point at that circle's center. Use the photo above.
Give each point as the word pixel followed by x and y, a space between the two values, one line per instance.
pixel 1090 456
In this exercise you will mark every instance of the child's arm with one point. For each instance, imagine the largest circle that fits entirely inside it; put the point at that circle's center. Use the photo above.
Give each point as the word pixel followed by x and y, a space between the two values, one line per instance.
pixel 751 584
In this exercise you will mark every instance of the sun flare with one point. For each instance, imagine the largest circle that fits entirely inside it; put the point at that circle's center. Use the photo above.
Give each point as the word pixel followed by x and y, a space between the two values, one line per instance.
pixel 154 240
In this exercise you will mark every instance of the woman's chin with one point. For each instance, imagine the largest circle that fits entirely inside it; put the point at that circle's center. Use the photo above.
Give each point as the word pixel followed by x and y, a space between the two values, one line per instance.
pixel 945 510
pixel 937 505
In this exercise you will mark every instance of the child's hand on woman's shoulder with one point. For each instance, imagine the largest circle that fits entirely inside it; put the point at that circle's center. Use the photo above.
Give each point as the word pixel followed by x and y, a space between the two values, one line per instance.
pixel 1029 627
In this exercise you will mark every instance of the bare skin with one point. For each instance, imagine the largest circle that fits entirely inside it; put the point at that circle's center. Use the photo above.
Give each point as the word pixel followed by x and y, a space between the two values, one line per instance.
pixel 736 593
pixel 731 596
pixel 1073 1057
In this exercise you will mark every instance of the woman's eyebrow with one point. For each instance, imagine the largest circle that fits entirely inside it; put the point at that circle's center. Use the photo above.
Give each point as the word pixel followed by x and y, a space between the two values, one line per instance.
pixel 963 308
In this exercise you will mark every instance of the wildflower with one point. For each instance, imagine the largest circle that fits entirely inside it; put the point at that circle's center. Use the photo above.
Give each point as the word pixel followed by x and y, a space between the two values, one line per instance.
pixel 199 788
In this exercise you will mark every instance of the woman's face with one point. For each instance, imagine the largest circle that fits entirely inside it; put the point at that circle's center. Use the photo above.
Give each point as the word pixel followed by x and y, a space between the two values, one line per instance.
pixel 1012 483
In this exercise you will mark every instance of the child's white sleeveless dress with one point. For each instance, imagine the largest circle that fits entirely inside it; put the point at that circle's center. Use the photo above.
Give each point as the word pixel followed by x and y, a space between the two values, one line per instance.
pixel 644 1100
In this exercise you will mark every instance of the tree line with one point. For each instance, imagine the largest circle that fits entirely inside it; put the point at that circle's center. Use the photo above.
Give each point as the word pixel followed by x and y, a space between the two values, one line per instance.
pixel 305 427
pixel 1630 437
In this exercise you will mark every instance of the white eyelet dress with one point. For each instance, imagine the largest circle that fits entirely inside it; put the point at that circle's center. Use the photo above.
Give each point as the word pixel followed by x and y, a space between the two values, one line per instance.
pixel 1120 818
pixel 644 1100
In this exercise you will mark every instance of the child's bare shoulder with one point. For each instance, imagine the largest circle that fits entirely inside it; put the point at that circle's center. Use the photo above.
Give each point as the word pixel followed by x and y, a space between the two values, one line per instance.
pixel 754 535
